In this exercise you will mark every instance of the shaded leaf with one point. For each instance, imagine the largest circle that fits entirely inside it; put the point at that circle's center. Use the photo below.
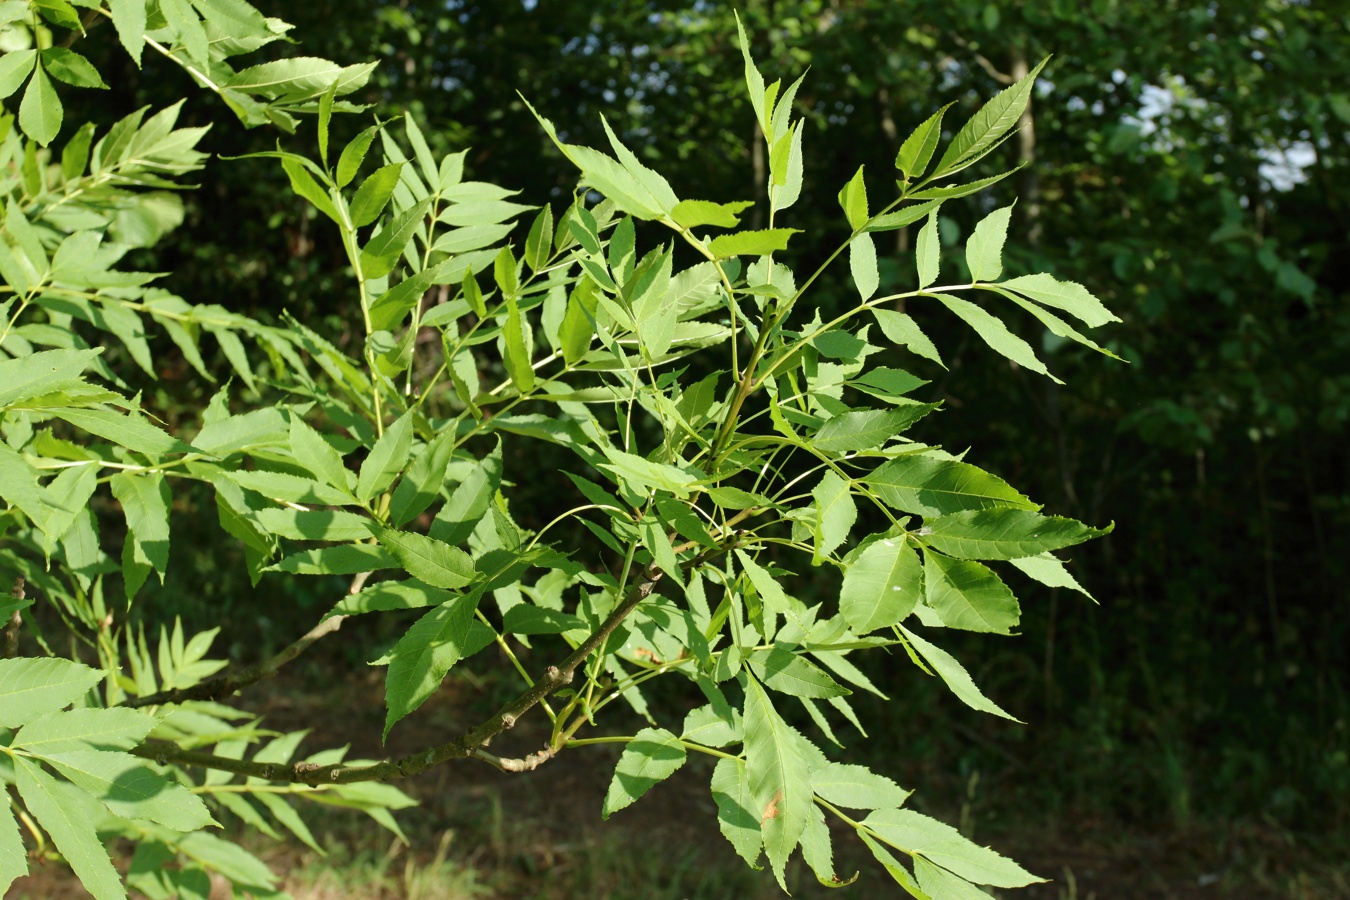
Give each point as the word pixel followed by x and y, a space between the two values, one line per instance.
pixel 968 596
pixel 881 586
pixel 1005 533
pixel 651 757
pixel 932 487
pixel 942 844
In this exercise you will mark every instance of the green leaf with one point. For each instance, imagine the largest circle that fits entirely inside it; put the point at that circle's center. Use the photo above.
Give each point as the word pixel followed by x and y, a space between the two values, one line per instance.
pixel 736 809
pixel 392 307
pixel 421 150
pixel 473 295
pixel 982 132
pixel 835 515
pixel 888 384
pixel 1069 296
pixel 75 155
pixel 1052 322
pixel 788 673
pixel 1050 571
pixel 644 474
pixel 853 200
pixel 13 856
pixel 932 487
pixel 344 559
pixel 299 78
pixel 656 541
pixel 517 355
pixel 784 194
pixel 32 687
pixel 59 12
pixel 862 265
pixel 578 325
pixel 390 595
pixel 313 524
pixel 901 217
pixel 182 18
pixel 325 119
pixel 652 756
pixel 129 788
pixel 754 82
pixel 318 456
pixel 427 559
pixel 304 185
pixel 735 498
pixel 706 726
pixel 968 596
pixel 70 67
pixel 917 150
pixel 374 193
pixel 751 243
pixel 881 586
pixel 817 851
pixel 15 67
pixel 505 272
pixel 699 213
pixel 145 501
pixel 286 488
pixel 927 252
pixel 1005 533
pixel 956 677
pixel 420 487
pixel 940 884
pixel 654 184
pixel 227 858
pixel 349 162
pixel 381 253
pixel 942 844
pixel 41 373
pixel 984 250
pixel 893 867
pixel 386 459
pixel 994 333
pixel 779 775
pixel 608 176
pixel 856 787
pixel 40 112
pixel 539 244
pixel 284 813
pixel 955 191
pixel 861 429
pixel 129 19
pixel 526 619
pixel 768 588
pixel 469 502
pixel 132 433
pixel 70 828
pixel 903 330
pixel 419 661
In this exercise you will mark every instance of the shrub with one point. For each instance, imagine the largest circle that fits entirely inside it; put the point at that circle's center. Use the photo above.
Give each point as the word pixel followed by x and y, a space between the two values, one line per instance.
pixel 724 434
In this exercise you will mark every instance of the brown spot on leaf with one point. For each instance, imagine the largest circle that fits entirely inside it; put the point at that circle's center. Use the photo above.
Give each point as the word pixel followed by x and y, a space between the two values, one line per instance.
pixel 771 811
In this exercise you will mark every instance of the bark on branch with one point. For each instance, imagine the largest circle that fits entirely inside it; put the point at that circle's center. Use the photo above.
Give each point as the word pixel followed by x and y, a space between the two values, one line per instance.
pixel 469 745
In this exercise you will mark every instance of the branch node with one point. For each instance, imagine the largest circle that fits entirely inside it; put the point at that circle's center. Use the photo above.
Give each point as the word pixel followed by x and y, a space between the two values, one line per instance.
pixel 508 721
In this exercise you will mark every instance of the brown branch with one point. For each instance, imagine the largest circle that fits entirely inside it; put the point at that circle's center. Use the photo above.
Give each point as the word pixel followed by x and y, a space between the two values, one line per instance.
pixel 469 745
pixel 222 686
pixel 225 684
pixel 15 621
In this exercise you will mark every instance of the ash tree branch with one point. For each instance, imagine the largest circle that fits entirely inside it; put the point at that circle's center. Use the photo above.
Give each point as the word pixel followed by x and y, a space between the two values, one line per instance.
pixel 225 684
pixel 469 745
